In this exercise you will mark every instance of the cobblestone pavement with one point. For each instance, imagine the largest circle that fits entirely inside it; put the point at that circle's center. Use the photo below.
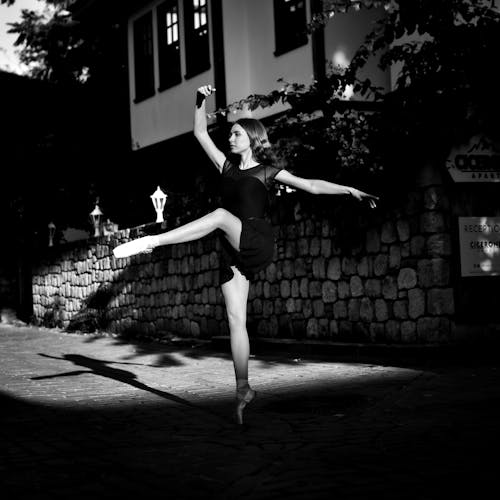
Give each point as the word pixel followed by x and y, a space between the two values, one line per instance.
pixel 97 416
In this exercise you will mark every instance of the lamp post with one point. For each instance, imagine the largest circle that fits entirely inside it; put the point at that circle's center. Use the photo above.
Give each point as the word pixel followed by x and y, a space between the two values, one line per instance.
pixel 158 198
pixel 96 215
pixel 52 232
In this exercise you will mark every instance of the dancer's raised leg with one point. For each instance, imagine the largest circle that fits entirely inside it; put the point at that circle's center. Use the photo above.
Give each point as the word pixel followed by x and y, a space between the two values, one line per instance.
pixel 218 219
pixel 235 294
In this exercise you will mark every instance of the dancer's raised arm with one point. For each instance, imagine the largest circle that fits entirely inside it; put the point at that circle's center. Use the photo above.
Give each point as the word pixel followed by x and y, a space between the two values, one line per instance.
pixel 200 127
pixel 319 186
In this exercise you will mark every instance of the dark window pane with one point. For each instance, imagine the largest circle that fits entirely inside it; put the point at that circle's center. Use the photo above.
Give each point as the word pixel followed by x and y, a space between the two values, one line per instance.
pixel 289 25
pixel 197 42
pixel 169 53
pixel 143 57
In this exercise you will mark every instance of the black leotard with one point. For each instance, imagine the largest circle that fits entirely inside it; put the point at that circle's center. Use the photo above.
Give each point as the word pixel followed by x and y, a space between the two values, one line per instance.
pixel 245 194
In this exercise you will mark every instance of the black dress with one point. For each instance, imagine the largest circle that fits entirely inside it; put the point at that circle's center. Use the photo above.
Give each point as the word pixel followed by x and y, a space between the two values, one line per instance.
pixel 245 195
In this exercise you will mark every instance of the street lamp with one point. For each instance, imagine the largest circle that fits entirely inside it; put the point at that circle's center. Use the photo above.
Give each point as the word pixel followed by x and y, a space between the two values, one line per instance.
pixel 158 198
pixel 52 232
pixel 96 215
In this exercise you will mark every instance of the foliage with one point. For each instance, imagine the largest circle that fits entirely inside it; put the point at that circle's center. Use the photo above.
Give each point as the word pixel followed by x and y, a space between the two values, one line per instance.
pixel 84 67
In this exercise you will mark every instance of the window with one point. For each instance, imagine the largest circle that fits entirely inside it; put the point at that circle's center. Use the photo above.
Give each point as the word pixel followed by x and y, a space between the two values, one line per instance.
pixel 169 53
pixel 197 43
pixel 143 57
pixel 289 25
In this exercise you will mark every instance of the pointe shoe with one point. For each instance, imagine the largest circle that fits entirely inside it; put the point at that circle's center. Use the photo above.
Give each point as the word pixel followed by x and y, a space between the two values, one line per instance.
pixel 243 397
pixel 134 247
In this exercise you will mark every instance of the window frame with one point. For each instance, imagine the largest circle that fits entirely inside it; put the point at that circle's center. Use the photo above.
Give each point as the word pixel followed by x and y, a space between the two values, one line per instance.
pixel 196 62
pixel 144 71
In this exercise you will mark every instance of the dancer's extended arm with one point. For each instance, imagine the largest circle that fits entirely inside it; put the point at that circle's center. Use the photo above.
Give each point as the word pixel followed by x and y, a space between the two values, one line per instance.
pixel 319 186
pixel 200 127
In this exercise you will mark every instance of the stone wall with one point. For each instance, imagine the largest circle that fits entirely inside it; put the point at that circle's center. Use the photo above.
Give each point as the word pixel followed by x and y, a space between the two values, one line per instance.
pixel 395 284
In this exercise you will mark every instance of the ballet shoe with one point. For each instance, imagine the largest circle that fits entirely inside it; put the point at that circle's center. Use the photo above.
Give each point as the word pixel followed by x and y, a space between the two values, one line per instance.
pixel 134 247
pixel 243 397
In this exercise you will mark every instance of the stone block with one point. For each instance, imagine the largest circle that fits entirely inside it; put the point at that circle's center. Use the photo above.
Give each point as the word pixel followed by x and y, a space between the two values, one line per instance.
pixel 440 301
pixel 356 286
pixel 394 257
pixel 333 327
pixel 407 278
pixel 417 245
pixel 364 267
pixel 380 265
pixel 312 329
pixel 416 303
pixel 393 330
pixel 349 266
pixel 267 308
pixel 288 269
pixel 435 198
pixel 334 269
pixel 300 268
pixel 315 289
pixel 366 310
pixel 285 289
pixel 381 310
pixel 318 268
pixel 306 307
pixel 340 309
pixel 388 232
pixel 403 230
pixel 400 309
pixel 408 332
pixel 315 247
pixel 290 305
pixel 389 287
pixel 303 247
pixel 271 272
pixel 353 309
pixel 326 247
pixel 318 308
pixel 304 288
pixel 329 291
pixel 432 222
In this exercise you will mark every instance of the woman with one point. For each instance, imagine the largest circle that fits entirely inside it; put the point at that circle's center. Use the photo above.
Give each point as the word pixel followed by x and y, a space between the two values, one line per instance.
pixel 248 245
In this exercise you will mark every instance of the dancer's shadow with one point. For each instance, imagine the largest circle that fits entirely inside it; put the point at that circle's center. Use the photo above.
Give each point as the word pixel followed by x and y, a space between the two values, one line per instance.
pixel 101 367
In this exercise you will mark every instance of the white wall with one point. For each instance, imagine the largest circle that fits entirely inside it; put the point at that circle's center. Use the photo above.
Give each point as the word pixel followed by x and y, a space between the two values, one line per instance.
pixel 251 66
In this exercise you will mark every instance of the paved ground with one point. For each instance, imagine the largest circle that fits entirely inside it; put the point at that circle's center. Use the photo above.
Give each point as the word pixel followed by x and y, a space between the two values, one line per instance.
pixel 87 416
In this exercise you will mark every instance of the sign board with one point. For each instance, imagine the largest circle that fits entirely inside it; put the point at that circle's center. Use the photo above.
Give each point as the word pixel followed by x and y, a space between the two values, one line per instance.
pixel 476 161
pixel 479 246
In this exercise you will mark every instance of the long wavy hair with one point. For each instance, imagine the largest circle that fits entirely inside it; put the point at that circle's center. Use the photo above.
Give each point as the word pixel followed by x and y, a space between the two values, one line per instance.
pixel 262 150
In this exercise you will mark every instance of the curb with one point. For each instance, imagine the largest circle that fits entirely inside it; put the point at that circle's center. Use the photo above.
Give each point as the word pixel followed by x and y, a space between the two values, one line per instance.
pixel 420 352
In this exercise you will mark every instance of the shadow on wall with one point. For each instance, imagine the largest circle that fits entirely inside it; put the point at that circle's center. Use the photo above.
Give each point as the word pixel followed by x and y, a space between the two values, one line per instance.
pixel 94 314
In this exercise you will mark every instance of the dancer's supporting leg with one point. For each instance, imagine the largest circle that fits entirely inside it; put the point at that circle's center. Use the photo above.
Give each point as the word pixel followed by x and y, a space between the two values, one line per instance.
pixel 218 219
pixel 235 294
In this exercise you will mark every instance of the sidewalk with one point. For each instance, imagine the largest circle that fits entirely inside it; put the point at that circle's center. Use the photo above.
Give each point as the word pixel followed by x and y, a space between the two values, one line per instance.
pixel 89 416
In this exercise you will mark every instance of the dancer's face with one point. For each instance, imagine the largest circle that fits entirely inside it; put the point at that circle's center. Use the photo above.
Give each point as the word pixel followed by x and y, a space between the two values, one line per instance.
pixel 239 141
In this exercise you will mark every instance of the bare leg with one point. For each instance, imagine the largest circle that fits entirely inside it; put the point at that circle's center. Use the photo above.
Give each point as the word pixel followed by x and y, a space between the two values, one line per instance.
pixel 218 219
pixel 235 294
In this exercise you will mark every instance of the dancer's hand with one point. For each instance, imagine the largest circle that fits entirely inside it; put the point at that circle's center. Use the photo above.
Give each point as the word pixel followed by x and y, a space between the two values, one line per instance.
pixel 362 196
pixel 206 90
